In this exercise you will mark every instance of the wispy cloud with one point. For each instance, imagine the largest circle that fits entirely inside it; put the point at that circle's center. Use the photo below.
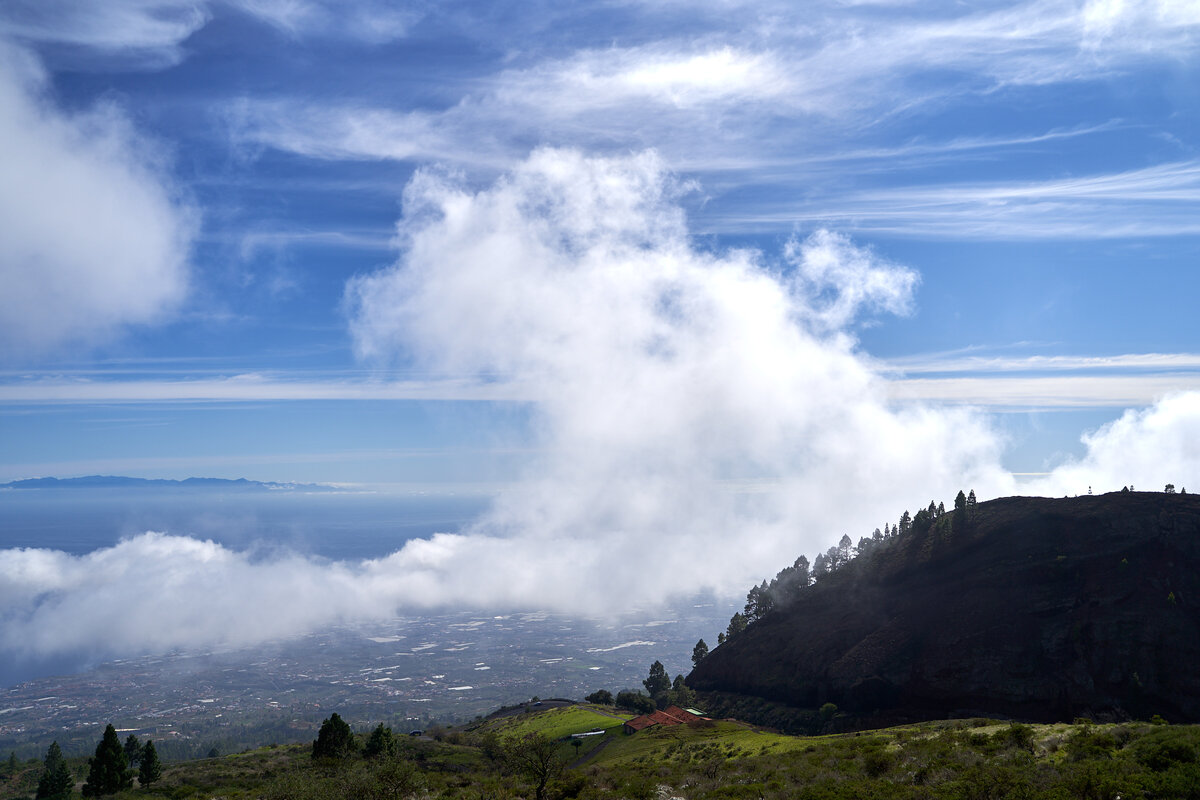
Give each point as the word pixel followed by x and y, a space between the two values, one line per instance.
pixel 1157 362
pixel 758 108
pixel 146 33
pixel 1045 392
pixel 153 34
pixel 250 388
pixel 1162 200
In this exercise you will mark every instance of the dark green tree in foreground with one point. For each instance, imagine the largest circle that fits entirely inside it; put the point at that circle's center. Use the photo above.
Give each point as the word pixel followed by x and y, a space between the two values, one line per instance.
pixel 133 751
pixel 380 743
pixel 56 782
pixel 108 770
pixel 601 697
pixel 334 739
pixel 699 652
pixel 149 767
pixel 658 680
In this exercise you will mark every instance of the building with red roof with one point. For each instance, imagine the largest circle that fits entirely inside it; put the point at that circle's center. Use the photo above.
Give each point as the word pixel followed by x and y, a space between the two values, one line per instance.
pixel 671 715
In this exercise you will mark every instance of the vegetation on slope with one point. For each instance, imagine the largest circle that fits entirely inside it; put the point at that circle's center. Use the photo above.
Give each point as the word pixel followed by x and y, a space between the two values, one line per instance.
pixel 1035 608
pixel 720 759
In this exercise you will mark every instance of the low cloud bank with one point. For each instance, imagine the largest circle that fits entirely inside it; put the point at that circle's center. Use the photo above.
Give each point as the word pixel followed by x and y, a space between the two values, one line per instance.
pixel 704 417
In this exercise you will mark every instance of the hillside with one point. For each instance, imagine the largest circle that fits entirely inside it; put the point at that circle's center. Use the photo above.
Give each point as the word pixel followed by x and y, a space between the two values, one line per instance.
pixel 1035 608
pixel 721 760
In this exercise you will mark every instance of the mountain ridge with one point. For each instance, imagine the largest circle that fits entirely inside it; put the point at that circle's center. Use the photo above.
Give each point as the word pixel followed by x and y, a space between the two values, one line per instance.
pixel 123 482
pixel 1037 608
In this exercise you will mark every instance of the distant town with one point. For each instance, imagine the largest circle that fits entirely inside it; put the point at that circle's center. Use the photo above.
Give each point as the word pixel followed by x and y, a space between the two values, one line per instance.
pixel 409 674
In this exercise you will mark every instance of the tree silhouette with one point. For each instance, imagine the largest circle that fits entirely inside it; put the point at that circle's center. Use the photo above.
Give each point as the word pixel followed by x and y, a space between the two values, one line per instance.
pixel 381 742
pixel 56 782
pixel 658 680
pixel 959 520
pixel 334 739
pixel 133 751
pixel 108 770
pixel 149 768
pixel 699 652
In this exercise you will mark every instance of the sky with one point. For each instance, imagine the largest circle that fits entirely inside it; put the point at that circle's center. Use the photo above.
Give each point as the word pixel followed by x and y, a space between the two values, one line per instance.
pixel 668 278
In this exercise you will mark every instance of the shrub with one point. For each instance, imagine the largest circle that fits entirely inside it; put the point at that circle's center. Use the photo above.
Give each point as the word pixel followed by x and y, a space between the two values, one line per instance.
pixel 1163 749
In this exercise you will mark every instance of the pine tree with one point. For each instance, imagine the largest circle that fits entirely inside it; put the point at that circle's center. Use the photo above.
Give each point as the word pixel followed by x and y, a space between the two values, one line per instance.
pixel 699 652
pixel 960 511
pixel 149 768
pixel 133 751
pixel 334 739
pixel 658 680
pixel 380 743
pixel 56 782
pixel 108 770
pixel 12 765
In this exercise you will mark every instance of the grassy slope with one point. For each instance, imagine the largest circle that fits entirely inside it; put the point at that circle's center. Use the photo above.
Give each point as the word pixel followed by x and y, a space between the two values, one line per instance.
pixel 556 723
pixel 952 759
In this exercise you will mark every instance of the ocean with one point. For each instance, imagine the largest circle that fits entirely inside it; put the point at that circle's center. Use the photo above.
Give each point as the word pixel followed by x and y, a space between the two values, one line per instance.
pixel 333 525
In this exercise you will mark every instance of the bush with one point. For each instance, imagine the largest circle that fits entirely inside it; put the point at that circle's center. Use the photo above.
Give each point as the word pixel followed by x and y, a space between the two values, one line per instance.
pixel 876 762
pixel 635 701
pixel 1163 749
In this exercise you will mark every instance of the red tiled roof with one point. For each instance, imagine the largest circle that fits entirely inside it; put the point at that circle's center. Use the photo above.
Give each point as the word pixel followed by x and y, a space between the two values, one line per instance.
pixel 672 715
pixel 640 723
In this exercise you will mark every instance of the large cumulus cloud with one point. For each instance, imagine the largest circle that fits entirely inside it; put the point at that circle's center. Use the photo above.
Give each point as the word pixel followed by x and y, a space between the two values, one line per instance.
pixel 701 414
pixel 94 236
pixel 703 417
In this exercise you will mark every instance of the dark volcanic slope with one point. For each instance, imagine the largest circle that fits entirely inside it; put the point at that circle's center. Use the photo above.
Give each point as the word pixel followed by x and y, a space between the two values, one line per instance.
pixel 1041 609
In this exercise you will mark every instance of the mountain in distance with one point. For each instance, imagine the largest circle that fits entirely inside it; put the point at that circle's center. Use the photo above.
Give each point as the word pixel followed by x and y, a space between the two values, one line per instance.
pixel 120 482
pixel 1032 608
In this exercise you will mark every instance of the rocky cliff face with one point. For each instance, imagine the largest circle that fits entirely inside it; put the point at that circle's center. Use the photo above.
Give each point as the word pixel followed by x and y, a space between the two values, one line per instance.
pixel 1041 609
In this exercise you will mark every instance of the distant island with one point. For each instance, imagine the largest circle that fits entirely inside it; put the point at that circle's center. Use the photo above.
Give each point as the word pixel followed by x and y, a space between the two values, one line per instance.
pixel 122 482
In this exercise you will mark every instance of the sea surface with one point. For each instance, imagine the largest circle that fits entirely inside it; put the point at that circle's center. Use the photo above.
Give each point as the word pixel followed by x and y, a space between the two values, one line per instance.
pixel 333 525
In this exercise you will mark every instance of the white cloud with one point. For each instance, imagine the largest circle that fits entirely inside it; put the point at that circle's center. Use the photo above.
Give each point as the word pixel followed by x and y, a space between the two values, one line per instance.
pixel 153 30
pixel 1163 200
pixel 94 238
pixel 667 381
pixel 592 80
pixel 1148 448
pixel 1044 391
pixel 158 592
pixel 371 22
pixel 844 279
pixel 152 33
pixel 1125 362
pixel 696 422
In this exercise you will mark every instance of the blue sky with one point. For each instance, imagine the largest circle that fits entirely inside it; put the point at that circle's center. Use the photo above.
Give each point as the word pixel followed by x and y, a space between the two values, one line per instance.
pixel 235 165
pixel 701 286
